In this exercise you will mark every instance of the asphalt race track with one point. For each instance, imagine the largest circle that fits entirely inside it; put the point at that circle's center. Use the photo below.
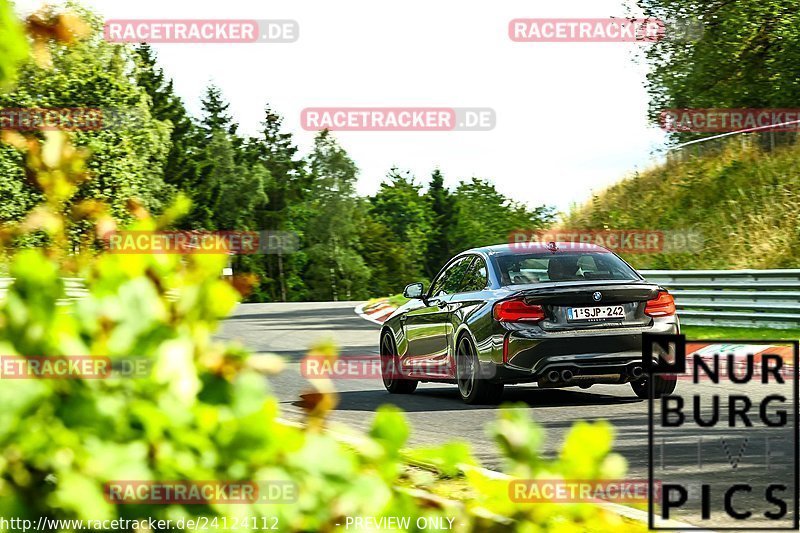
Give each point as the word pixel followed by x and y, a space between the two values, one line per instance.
pixel 437 414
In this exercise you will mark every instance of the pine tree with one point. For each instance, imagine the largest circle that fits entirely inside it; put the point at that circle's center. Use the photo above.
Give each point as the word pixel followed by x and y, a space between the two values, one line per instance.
pixel 227 193
pixel 441 204
pixel 215 117
pixel 287 190
pixel 180 167
pixel 336 271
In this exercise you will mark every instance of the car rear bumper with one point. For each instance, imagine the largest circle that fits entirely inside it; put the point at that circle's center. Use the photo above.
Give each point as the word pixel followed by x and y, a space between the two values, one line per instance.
pixel 590 356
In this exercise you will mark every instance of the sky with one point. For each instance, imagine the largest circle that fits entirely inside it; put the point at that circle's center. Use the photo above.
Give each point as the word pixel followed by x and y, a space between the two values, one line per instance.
pixel 571 118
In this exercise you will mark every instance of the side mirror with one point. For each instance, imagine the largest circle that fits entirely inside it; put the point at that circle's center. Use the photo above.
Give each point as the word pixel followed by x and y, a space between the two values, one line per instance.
pixel 413 290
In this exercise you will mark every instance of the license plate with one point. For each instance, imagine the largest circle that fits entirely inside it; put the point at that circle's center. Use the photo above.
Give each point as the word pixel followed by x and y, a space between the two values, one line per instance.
pixel 589 313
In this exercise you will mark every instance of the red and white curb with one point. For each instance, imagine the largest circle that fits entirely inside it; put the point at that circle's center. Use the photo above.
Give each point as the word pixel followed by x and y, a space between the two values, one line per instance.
pixel 740 352
pixel 376 312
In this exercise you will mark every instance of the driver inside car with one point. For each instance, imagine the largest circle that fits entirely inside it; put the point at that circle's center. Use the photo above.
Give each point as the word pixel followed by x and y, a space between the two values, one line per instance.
pixel 563 268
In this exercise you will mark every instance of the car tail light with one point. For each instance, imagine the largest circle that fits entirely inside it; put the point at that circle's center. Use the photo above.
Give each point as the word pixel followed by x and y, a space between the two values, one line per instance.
pixel 517 311
pixel 661 305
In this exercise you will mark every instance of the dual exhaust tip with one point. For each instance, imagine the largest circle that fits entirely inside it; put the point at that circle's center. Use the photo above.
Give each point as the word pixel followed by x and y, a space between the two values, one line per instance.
pixel 566 375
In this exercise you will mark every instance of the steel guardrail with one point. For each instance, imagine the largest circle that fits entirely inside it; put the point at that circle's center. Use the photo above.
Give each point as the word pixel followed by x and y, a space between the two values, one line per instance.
pixel 744 298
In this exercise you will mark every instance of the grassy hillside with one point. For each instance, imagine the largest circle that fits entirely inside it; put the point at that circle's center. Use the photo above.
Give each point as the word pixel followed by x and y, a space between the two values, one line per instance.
pixel 743 200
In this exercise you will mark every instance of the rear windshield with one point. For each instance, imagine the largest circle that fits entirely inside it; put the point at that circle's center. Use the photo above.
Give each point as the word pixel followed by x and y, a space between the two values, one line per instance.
pixel 543 267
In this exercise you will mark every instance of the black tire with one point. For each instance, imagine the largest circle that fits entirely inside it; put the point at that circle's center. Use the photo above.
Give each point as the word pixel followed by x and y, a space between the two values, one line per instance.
pixel 390 369
pixel 473 390
pixel 662 386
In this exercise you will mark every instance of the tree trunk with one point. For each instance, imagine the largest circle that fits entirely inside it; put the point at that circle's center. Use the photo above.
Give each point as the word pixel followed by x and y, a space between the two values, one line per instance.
pixel 281 279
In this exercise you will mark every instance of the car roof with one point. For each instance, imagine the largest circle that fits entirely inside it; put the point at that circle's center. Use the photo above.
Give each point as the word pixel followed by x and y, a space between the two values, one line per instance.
pixel 533 247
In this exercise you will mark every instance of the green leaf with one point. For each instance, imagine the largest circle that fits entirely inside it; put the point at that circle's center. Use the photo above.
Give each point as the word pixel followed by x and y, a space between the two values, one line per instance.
pixel 390 428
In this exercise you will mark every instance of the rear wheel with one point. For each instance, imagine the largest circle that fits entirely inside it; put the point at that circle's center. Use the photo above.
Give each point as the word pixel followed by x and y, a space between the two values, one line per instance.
pixel 472 389
pixel 394 382
pixel 661 387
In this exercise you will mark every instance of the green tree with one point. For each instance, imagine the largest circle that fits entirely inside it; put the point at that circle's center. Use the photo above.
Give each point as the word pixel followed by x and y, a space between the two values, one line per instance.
pixel 744 55
pixel 226 191
pixel 17 195
pixel 335 270
pixel 391 266
pixel 441 205
pixel 287 192
pixel 167 106
pixel 483 216
pixel 400 206
pixel 128 153
pixel 215 109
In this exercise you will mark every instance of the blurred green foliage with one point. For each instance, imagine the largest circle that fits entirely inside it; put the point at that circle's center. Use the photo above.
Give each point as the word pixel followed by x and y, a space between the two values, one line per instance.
pixel 204 411
pixel 13 45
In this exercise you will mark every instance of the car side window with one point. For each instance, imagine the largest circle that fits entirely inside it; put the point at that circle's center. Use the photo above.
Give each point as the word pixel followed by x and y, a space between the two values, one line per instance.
pixel 476 278
pixel 450 279
pixel 438 283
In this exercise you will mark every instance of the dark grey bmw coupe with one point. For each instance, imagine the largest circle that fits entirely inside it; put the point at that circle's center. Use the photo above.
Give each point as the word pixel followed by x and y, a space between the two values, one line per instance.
pixel 555 314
